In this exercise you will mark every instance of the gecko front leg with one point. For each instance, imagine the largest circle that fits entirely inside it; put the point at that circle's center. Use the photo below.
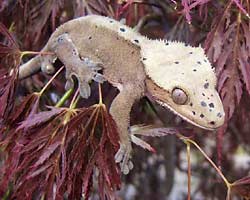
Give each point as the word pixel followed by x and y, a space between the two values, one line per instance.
pixel 84 69
pixel 120 111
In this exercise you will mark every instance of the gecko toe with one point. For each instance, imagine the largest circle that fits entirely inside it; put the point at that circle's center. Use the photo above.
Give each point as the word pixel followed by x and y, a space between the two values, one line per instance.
pixel 130 165
pixel 126 164
pixel 99 78
pixel 124 169
pixel 123 157
pixel 119 155
pixel 69 84
pixel 84 89
pixel 96 66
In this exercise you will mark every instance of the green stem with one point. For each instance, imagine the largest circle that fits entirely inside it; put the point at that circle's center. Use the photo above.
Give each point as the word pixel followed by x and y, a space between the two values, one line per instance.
pixel 23 53
pixel 73 105
pixel 64 98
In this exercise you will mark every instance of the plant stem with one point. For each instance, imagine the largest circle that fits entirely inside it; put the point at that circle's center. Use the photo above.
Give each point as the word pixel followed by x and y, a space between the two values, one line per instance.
pixel 74 99
pixel 23 53
pixel 64 98
pixel 209 160
pixel 49 82
pixel 100 94
pixel 189 169
pixel 228 193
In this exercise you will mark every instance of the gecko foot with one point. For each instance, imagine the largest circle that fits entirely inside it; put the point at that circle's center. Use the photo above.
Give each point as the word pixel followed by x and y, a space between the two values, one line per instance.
pixel 83 68
pixel 90 72
pixel 86 71
pixel 94 67
pixel 123 157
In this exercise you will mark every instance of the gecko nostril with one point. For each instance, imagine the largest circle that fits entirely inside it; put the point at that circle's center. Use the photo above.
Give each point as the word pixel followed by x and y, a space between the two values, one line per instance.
pixel 212 123
pixel 122 29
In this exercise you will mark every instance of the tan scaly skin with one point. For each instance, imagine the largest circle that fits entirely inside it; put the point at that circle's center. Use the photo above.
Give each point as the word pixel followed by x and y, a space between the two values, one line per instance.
pixel 176 75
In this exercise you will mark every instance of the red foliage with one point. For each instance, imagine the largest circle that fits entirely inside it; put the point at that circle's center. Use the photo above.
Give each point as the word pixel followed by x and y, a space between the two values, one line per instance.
pixel 10 59
pixel 227 46
pixel 28 107
pixel 38 14
pixel 242 187
pixel 59 151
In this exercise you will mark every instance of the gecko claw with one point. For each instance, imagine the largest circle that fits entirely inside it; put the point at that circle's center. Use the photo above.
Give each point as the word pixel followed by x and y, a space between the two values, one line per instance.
pixel 123 157
pixel 99 78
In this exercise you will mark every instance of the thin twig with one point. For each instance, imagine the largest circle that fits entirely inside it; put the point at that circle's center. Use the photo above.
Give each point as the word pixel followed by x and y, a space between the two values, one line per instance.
pixel 50 81
pixel 64 98
pixel 189 170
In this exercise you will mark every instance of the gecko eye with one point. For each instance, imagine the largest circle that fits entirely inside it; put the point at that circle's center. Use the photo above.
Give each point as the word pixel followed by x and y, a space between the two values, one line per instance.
pixel 179 96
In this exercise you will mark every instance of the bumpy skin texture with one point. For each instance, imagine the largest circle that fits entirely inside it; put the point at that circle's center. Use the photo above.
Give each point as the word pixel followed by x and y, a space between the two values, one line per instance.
pixel 135 65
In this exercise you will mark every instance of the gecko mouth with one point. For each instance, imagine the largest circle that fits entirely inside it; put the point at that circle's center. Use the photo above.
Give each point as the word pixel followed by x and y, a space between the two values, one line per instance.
pixel 165 105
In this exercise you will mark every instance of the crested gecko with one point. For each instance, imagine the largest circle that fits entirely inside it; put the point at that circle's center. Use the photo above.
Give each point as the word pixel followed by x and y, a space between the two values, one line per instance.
pixel 176 75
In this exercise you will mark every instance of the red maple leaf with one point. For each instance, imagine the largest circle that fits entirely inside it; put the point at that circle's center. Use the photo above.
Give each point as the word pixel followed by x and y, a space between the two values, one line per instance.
pixel 60 150
pixel 227 46
pixel 10 59
pixel 241 187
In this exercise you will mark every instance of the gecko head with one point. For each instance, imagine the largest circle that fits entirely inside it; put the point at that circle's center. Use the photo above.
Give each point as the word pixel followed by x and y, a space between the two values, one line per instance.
pixel 181 78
